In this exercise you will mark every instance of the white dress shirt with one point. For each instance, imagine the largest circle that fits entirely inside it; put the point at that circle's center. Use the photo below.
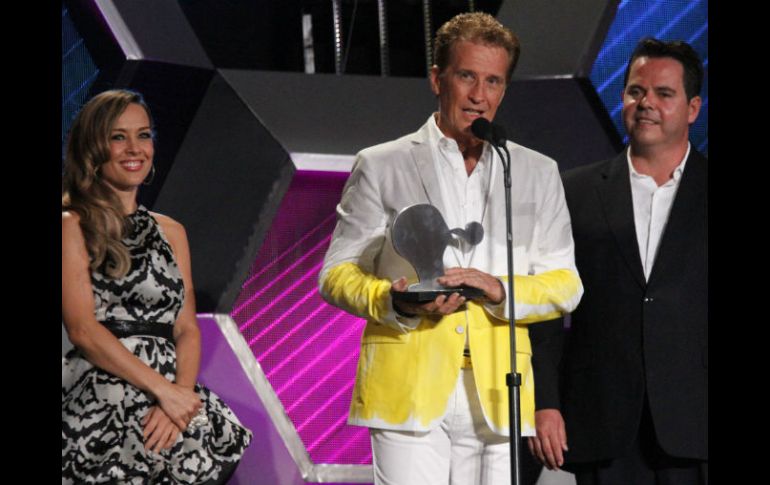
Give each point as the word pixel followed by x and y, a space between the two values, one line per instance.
pixel 652 204
pixel 464 196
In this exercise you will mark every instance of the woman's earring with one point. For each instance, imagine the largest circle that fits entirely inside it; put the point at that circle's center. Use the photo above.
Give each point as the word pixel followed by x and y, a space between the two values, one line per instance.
pixel 149 179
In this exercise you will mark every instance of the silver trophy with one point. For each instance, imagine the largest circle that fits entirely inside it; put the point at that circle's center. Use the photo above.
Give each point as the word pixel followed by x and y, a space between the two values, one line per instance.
pixel 420 235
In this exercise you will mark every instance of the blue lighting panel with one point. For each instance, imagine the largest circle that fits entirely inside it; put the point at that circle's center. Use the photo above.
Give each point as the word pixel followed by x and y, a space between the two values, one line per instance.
pixel 78 72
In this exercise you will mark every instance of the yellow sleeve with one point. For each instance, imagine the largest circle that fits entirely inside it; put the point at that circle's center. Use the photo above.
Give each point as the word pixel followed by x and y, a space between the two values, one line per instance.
pixel 541 297
pixel 348 287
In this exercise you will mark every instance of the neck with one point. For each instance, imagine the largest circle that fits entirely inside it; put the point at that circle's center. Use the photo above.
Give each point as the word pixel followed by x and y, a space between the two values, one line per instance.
pixel 471 155
pixel 470 146
pixel 658 163
pixel 128 201
pixel 126 196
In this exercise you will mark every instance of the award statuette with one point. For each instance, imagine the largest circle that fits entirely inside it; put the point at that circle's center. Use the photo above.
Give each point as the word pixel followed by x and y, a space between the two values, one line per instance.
pixel 420 235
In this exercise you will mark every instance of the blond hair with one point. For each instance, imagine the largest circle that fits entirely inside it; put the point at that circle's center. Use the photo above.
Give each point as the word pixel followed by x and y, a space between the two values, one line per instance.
pixel 476 27
pixel 83 190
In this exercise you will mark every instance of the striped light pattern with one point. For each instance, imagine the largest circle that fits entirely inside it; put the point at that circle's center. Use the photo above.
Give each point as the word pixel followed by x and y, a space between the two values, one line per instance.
pixel 307 348
pixel 663 19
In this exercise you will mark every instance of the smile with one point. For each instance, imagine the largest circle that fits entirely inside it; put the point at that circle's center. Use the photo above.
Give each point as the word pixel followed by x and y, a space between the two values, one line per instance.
pixel 132 165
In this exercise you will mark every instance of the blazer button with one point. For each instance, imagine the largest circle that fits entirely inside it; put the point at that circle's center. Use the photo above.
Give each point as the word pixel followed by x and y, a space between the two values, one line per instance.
pixel 648 299
pixel 459 329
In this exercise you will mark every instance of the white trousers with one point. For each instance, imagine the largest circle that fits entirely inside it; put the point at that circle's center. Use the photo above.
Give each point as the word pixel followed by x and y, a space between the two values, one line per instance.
pixel 462 450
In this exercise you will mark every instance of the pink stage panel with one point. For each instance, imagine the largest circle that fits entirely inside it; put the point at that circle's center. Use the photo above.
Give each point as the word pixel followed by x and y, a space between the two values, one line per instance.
pixel 307 348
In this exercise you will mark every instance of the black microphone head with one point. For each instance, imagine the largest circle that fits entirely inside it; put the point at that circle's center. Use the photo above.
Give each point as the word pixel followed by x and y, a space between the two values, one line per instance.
pixel 481 128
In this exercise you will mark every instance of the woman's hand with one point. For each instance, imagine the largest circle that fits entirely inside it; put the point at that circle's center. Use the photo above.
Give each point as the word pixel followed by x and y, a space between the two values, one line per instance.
pixel 159 432
pixel 181 404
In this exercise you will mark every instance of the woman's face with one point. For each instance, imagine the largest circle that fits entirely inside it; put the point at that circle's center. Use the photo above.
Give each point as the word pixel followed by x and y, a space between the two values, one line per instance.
pixel 131 150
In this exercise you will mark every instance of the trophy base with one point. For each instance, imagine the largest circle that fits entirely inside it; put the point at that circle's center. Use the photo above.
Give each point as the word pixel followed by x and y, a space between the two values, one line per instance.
pixel 425 296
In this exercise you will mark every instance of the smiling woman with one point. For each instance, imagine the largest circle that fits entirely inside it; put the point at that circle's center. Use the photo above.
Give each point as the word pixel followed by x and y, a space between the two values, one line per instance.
pixel 91 186
pixel 131 151
pixel 131 407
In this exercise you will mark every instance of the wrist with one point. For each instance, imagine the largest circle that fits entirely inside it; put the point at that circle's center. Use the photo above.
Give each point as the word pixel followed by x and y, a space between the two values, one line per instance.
pixel 185 384
pixel 501 295
pixel 159 386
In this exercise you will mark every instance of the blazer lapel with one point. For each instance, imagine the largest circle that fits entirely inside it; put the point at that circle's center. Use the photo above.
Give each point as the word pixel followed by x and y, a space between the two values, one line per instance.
pixel 423 159
pixel 687 213
pixel 615 195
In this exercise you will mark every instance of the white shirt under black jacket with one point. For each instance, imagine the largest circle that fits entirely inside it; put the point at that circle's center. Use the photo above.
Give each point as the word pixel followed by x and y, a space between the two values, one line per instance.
pixel 652 205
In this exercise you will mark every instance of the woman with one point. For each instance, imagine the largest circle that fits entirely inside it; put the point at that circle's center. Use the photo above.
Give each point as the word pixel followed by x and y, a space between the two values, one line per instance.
pixel 131 409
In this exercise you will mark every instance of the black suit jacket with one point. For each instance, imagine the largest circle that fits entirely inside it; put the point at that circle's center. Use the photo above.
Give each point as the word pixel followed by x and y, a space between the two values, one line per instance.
pixel 629 336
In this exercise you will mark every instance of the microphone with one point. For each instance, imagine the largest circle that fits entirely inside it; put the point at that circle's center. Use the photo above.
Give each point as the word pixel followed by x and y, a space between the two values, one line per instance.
pixel 483 129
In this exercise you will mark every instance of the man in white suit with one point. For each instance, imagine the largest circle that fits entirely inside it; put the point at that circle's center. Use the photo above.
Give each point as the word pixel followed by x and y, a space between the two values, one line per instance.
pixel 435 415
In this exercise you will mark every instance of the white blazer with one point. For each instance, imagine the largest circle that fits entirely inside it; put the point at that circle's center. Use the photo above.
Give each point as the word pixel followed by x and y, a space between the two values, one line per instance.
pixel 391 176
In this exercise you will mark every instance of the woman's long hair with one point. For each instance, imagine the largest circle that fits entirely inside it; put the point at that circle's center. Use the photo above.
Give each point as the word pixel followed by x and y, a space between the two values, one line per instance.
pixel 86 193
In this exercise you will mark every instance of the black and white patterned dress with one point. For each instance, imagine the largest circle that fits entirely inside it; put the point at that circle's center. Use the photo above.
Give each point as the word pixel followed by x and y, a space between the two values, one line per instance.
pixel 102 439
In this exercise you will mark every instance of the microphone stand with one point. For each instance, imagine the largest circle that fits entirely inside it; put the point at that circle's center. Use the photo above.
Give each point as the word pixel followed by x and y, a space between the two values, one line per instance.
pixel 512 379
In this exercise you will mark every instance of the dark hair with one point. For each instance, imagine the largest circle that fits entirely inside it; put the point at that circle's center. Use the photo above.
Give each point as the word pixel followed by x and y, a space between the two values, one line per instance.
pixel 679 51
pixel 477 27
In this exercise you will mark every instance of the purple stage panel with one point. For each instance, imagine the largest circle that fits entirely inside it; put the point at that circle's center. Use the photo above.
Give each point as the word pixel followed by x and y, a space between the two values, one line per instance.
pixel 266 460
pixel 307 348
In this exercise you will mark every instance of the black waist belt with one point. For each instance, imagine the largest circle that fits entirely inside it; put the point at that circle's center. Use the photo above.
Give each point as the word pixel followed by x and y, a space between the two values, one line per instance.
pixel 128 328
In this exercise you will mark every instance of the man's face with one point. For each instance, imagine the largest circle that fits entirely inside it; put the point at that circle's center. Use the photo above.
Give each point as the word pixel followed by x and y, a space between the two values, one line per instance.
pixel 656 112
pixel 471 87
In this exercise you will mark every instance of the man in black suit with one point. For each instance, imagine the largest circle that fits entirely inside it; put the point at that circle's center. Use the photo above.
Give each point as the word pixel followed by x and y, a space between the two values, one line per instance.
pixel 632 384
